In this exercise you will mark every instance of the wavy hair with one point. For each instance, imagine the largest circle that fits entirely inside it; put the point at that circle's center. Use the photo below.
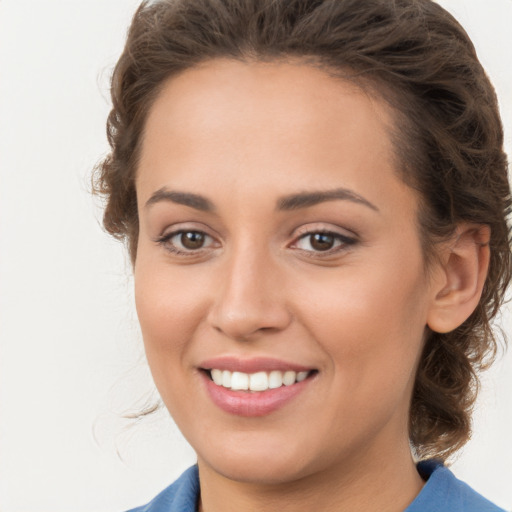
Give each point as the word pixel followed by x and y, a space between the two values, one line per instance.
pixel 448 141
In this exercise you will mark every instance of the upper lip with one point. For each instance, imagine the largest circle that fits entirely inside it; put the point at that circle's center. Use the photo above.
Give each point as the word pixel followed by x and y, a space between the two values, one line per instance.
pixel 251 365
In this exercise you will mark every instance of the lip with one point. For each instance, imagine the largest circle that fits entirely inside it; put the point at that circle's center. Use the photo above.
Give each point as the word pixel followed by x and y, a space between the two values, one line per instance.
pixel 247 403
pixel 253 365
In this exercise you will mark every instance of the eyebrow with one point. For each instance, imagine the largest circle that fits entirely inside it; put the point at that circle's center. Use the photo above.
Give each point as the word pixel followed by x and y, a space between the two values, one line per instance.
pixel 306 199
pixel 286 203
pixel 195 201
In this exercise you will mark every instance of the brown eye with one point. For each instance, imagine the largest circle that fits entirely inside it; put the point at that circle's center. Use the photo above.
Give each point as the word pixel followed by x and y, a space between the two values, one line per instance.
pixel 321 241
pixel 192 239
pixel 186 242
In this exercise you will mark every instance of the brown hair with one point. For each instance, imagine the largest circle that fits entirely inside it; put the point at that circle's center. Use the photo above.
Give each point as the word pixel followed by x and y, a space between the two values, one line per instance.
pixel 448 139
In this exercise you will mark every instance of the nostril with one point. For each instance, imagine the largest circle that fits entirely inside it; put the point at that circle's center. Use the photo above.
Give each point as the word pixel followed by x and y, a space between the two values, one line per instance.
pixel 244 310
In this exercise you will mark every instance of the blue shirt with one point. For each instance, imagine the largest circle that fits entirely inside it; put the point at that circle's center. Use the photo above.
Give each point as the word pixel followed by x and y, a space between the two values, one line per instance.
pixel 442 492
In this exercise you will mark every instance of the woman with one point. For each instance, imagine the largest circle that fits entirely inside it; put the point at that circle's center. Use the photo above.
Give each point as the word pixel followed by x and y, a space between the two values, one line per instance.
pixel 315 199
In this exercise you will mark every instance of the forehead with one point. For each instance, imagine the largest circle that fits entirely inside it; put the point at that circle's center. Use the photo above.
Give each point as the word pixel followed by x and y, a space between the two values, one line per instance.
pixel 297 89
pixel 255 124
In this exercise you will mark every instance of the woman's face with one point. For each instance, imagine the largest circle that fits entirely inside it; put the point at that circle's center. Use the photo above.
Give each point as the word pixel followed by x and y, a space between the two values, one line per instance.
pixel 278 242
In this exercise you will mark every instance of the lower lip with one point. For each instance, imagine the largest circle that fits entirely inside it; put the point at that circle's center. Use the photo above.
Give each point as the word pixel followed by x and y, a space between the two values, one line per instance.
pixel 256 403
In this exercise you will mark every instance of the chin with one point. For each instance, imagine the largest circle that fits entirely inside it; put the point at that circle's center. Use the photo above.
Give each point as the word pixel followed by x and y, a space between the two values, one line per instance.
pixel 269 472
pixel 264 463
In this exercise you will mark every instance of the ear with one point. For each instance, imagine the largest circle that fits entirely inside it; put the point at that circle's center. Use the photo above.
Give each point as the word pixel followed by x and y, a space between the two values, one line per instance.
pixel 462 271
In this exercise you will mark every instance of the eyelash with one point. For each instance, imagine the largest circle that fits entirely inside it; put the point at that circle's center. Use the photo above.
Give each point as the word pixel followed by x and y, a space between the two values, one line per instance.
pixel 342 242
pixel 165 242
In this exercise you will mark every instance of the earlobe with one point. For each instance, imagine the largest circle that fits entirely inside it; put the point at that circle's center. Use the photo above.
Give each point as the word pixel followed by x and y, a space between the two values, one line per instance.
pixel 464 265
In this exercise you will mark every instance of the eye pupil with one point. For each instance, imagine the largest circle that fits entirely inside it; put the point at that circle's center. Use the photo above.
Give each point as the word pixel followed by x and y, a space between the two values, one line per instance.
pixel 192 239
pixel 322 241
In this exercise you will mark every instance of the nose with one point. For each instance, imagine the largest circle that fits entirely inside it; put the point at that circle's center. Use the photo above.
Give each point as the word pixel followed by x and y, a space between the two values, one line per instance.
pixel 250 299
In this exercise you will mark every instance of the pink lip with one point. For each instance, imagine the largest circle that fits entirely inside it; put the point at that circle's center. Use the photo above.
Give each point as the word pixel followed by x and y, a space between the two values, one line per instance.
pixel 253 365
pixel 252 404
pixel 247 403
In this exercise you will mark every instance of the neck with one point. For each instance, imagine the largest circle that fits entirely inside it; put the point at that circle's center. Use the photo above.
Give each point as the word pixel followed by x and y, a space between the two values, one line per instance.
pixel 386 483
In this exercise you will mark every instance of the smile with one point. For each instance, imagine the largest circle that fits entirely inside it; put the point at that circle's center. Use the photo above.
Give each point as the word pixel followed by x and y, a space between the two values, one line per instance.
pixel 255 387
pixel 256 382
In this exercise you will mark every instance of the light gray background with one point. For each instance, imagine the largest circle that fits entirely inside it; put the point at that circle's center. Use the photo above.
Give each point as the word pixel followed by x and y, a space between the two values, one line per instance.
pixel 70 355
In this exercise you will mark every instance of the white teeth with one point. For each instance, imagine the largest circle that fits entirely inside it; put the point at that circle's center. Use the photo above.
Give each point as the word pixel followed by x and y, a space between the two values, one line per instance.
pixel 239 381
pixel 275 379
pixel 259 381
pixel 301 376
pixel 226 378
pixel 289 378
pixel 217 377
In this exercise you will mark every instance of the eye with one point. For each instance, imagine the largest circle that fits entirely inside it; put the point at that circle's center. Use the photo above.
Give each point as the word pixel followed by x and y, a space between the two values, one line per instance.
pixel 323 241
pixel 186 241
pixel 190 239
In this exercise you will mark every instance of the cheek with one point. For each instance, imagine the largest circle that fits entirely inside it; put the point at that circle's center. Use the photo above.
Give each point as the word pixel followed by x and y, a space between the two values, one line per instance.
pixel 169 307
pixel 169 310
pixel 370 324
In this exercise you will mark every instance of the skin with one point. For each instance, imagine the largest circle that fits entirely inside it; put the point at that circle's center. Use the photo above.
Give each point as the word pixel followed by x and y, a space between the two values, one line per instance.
pixel 243 136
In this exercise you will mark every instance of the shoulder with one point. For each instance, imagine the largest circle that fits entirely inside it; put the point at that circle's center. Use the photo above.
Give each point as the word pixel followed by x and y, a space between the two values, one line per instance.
pixel 181 496
pixel 443 492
